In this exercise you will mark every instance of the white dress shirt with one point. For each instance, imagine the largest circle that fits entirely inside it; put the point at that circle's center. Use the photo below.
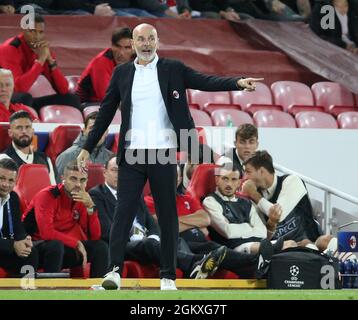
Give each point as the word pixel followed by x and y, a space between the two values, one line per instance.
pixel 255 228
pixel 2 204
pixel 150 127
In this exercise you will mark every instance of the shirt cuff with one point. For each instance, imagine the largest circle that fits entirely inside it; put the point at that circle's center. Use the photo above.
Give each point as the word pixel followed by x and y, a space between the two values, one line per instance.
pixel 264 206
pixel 155 237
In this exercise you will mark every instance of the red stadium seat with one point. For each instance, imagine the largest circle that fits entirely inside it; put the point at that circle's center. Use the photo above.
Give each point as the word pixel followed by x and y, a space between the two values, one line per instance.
pixel 314 119
pixel 211 107
pixel 202 98
pixel 334 97
pixel 30 180
pixel 114 148
pixel 60 114
pixel 201 135
pixel 291 94
pixel 236 117
pixel 348 120
pixel 260 99
pixel 202 181
pixel 95 175
pixel 61 139
pixel 194 106
pixel 200 118
pixel 4 273
pixel 72 83
pixel 117 117
pixel 5 140
pixel 41 87
pixel 34 112
pixel 273 118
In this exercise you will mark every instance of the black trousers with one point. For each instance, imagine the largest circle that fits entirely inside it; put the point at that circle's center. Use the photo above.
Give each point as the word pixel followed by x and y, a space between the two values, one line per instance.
pixel 239 263
pixel 54 256
pixel 131 181
pixel 13 263
pixel 147 251
pixel 68 99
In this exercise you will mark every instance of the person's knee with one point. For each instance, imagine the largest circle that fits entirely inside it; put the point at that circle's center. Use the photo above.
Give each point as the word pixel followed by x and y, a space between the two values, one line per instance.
pixel 289 244
pixel 101 247
pixel 55 247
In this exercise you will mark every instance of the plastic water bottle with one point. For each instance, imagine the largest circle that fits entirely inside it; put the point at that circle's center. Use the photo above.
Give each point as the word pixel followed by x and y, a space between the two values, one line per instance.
pixel 229 122
pixel 347 278
pixel 355 276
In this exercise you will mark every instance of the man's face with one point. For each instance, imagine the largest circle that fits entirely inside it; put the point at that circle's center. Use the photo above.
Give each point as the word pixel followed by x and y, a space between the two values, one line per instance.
pixel 6 89
pixel 341 6
pixel 7 182
pixel 145 43
pixel 246 147
pixel 111 173
pixel 257 176
pixel 227 182
pixel 33 36
pixel 89 127
pixel 123 51
pixel 21 132
pixel 74 181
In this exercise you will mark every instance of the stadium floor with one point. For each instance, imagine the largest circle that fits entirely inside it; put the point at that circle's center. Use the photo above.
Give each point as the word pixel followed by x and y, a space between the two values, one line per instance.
pixel 183 294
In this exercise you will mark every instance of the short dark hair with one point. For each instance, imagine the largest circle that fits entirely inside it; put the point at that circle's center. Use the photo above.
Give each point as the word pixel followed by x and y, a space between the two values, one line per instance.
pixel 9 164
pixel 39 18
pixel 121 33
pixel 20 115
pixel 107 162
pixel 90 116
pixel 246 131
pixel 71 166
pixel 261 159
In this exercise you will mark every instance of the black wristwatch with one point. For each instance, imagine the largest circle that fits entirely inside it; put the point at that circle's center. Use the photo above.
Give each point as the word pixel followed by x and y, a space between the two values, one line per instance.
pixel 53 65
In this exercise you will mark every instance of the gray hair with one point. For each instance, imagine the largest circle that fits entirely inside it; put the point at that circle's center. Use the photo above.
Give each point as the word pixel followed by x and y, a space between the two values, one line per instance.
pixel 6 72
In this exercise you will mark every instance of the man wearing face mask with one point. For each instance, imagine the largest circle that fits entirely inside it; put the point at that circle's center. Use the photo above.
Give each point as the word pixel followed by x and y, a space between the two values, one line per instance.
pixel 95 78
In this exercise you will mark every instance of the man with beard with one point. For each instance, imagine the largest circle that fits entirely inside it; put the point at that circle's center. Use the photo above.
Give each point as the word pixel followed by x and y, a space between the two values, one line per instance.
pixel 100 154
pixel 94 81
pixel 21 151
pixel 155 113
pixel 65 218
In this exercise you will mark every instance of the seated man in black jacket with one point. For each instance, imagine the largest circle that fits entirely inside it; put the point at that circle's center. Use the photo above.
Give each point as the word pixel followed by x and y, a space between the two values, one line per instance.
pixel 341 28
pixel 16 248
pixel 144 243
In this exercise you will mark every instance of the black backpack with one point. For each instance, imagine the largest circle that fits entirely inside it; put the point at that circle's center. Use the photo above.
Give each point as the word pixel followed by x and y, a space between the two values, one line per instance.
pixel 303 268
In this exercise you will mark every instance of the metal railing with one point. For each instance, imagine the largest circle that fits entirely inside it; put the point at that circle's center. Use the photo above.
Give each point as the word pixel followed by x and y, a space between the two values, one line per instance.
pixel 328 192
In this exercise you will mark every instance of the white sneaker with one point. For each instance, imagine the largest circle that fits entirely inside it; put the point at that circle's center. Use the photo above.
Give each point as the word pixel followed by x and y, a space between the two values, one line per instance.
pixel 167 284
pixel 112 280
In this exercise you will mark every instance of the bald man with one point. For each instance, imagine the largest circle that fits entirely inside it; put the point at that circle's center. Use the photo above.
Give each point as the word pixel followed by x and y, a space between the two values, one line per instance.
pixel 156 121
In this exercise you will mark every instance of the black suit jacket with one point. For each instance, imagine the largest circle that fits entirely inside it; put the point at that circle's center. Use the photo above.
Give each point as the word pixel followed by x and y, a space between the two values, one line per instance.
pixel 174 78
pixel 106 205
pixel 335 35
pixel 6 243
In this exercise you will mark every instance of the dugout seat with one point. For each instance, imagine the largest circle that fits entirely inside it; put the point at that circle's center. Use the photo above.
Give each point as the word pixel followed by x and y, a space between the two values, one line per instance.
pixel 273 118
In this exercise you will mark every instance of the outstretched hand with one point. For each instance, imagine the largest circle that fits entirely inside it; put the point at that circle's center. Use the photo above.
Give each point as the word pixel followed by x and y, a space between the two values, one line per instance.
pixel 248 84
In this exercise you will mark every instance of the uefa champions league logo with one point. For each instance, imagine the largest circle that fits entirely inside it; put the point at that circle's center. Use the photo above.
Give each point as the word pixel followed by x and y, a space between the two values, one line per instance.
pixel 352 242
pixel 294 270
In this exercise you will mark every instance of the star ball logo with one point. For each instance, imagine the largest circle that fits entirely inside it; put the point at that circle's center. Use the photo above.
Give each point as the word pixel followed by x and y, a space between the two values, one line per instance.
pixel 352 242
pixel 294 270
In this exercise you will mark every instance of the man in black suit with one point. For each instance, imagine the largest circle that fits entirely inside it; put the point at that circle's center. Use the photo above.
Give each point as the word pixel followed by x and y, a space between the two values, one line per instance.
pixel 144 241
pixel 154 115
pixel 16 248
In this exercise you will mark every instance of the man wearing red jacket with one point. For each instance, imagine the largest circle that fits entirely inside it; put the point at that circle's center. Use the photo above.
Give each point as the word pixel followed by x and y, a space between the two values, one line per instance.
pixel 28 56
pixel 94 81
pixel 65 218
pixel 6 90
